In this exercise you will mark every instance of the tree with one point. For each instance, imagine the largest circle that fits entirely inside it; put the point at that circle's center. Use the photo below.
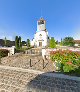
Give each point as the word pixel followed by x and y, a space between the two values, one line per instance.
pixel 52 43
pixel 57 42
pixel 20 43
pixel 5 41
pixel 61 43
pixel 16 42
pixel 68 41
pixel 28 43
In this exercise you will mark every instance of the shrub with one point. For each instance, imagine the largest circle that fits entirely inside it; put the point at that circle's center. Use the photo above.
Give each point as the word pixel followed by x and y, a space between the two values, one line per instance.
pixel 52 43
pixel 3 53
pixel 19 51
pixel 68 60
pixel 22 50
pixel 68 41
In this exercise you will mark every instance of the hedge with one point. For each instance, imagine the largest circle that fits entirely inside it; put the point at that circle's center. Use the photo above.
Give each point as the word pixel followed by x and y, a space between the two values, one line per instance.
pixel 3 53
pixel 67 60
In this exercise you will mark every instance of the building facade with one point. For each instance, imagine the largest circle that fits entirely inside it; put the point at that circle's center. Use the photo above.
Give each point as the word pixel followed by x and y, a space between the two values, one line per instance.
pixel 41 38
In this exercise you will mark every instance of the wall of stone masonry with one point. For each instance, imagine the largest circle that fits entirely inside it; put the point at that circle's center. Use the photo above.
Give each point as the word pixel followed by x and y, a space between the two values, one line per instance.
pixel 13 79
pixel 46 52
pixel 54 83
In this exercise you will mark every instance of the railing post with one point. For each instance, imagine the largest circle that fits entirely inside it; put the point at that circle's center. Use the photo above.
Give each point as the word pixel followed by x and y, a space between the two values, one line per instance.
pixel 30 63
pixel 45 57
pixel 0 60
pixel 43 63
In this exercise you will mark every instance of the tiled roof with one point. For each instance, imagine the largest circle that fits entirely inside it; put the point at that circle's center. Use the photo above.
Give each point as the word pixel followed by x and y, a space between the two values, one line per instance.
pixel 77 41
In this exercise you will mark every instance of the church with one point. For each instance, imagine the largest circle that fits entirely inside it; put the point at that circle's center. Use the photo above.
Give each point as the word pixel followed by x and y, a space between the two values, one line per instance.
pixel 41 38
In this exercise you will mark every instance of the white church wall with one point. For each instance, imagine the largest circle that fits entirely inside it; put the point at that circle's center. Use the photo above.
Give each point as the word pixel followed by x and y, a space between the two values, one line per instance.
pixel 43 38
pixel 41 27
pixel 41 35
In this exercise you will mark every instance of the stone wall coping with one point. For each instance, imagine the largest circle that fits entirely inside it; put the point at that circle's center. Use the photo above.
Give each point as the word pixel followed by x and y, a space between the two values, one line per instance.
pixel 57 75
pixel 20 69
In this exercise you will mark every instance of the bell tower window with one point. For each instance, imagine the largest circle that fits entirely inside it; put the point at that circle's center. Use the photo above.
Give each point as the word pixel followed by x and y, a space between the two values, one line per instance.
pixel 40 22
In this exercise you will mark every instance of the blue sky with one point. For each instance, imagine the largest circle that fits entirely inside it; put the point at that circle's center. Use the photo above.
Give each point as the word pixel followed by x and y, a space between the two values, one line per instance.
pixel 19 17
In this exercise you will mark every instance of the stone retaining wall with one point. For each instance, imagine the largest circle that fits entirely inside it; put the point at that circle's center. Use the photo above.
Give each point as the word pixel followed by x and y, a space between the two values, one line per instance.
pixel 46 52
pixel 49 82
pixel 13 79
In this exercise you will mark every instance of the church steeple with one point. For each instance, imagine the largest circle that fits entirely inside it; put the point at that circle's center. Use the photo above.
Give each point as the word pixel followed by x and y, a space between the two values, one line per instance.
pixel 41 35
pixel 41 24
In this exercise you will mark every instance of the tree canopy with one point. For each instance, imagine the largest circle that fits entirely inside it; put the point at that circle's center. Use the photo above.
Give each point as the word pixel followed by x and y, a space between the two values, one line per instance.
pixel 68 41
pixel 18 43
pixel 52 42
pixel 28 43
pixel 5 41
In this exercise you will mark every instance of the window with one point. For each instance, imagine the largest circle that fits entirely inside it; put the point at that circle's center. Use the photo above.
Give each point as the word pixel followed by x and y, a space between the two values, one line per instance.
pixel 40 22
pixel 40 35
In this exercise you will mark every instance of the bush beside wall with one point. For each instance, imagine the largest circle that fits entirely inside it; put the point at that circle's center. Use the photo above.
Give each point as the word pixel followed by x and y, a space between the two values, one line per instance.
pixel 67 61
pixel 3 53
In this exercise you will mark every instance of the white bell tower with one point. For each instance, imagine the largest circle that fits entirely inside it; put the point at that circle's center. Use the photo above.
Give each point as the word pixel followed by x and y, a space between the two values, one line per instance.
pixel 41 38
pixel 41 25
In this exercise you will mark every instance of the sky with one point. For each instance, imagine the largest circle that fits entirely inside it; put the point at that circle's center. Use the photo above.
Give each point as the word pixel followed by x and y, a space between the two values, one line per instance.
pixel 19 17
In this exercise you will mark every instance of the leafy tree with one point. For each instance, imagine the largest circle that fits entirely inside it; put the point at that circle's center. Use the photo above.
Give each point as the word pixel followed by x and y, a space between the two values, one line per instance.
pixel 5 41
pixel 68 41
pixel 8 43
pixel 20 43
pixel 16 42
pixel 28 43
pixel 61 43
pixel 52 43
pixel 57 42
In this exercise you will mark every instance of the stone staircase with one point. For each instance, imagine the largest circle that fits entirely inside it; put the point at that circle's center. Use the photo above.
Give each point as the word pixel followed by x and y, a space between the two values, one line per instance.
pixel 16 75
pixel 23 61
